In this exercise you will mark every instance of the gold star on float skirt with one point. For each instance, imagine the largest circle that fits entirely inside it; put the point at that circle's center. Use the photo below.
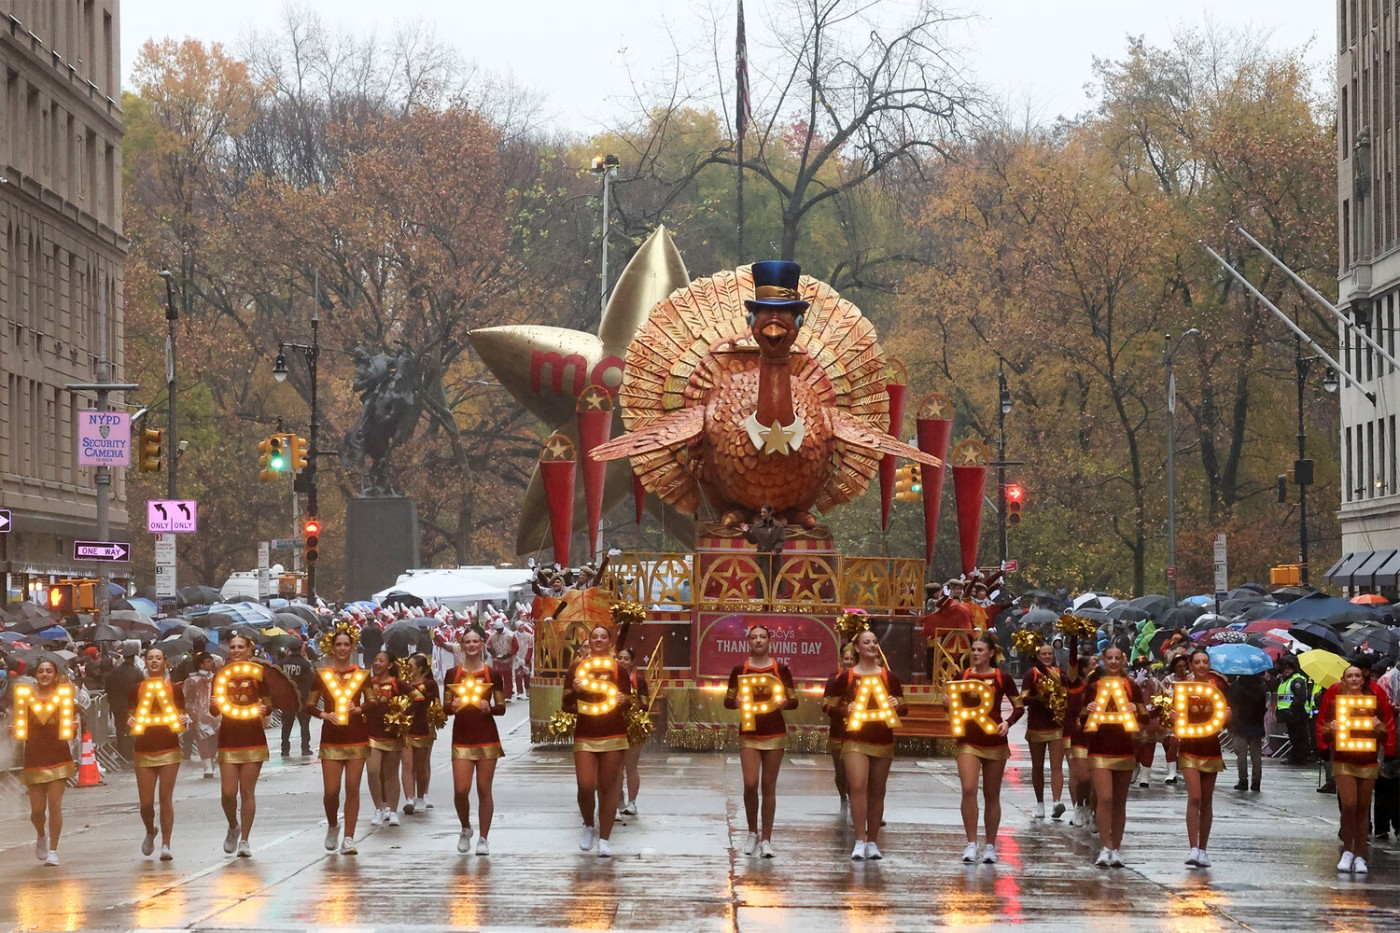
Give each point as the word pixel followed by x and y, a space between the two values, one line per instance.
pixel 776 439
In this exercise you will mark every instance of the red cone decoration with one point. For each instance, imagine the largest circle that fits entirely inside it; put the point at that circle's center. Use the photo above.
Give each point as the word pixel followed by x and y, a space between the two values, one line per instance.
pixel 595 417
pixel 639 496
pixel 558 461
pixel 935 429
pixel 969 460
pixel 896 383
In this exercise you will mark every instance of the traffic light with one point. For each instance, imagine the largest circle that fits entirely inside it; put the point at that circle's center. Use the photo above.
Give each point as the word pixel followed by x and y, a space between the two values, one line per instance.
pixel 904 479
pixel 916 478
pixel 299 452
pixel 148 450
pixel 62 598
pixel 272 458
pixel 311 540
pixel 1015 498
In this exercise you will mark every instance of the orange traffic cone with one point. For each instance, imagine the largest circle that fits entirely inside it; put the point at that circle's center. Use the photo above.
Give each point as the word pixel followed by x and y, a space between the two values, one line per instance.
pixel 88 773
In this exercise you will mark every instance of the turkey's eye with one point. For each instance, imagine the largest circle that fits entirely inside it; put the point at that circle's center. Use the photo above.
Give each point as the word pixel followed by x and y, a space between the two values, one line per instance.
pixel 800 318
pixel 752 317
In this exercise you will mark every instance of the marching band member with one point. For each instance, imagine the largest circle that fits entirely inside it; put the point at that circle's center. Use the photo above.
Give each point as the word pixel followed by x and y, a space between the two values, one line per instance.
pixel 1112 755
pixel 868 748
pixel 631 778
pixel 418 743
pixel 1043 732
pixel 762 739
pixel 475 742
pixel 242 747
pixel 1081 786
pixel 157 746
pixel 1200 761
pixel 339 691
pixel 44 722
pixel 836 722
pixel 385 746
pixel 1355 770
pixel 983 754
pixel 600 739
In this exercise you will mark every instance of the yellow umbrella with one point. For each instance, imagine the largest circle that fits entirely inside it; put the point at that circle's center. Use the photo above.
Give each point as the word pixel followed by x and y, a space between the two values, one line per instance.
pixel 1324 667
pixel 277 630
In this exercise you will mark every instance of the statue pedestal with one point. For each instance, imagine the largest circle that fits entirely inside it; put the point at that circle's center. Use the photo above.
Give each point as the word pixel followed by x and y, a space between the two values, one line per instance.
pixel 381 542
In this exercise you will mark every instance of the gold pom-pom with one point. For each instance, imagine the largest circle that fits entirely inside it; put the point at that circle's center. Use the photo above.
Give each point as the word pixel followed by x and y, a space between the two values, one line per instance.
pixel 403 669
pixel 1161 706
pixel 343 627
pixel 849 624
pixel 398 719
pixel 1077 626
pixel 630 612
pixel 1052 693
pixel 437 716
pixel 639 725
pixel 561 724
pixel 1026 641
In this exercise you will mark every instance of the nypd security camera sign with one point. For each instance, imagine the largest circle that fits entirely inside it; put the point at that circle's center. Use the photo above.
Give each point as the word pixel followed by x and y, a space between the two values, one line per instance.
pixel 104 439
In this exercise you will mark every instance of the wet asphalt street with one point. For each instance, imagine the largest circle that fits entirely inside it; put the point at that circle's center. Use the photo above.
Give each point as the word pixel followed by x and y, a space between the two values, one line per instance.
pixel 677 866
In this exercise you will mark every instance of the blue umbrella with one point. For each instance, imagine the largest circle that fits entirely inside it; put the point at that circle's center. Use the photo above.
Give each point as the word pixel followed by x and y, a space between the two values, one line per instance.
pixel 1202 600
pixel 142 604
pixel 57 631
pixel 12 636
pixel 1239 659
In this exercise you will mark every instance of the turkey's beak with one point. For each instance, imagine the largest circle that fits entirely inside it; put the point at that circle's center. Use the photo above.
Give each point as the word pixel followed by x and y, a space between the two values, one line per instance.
pixel 774 332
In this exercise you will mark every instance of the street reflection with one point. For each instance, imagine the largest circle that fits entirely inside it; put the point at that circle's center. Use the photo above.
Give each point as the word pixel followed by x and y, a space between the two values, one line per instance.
pixel 468 885
pixel 155 905
pixel 593 905
pixel 52 904
pixel 337 899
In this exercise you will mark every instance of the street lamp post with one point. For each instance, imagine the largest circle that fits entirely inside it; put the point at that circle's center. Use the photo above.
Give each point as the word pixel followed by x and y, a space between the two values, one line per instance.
pixel 1168 359
pixel 605 166
pixel 1003 408
pixel 279 371
pixel 172 316
pixel 1303 467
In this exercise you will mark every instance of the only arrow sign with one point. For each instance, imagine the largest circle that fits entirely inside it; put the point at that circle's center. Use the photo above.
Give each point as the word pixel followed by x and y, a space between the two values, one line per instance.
pixel 5 521
pixel 119 551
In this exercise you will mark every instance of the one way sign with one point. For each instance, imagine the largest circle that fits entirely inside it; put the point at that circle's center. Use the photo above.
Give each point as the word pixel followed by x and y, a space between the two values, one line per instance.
pixel 5 522
pixel 119 551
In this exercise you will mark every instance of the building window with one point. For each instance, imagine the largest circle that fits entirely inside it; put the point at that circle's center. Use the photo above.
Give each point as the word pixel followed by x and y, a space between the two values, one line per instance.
pixel 1349 483
pixel 1346 233
pixel 1370 454
pixel 1390 471
pixel 1344 125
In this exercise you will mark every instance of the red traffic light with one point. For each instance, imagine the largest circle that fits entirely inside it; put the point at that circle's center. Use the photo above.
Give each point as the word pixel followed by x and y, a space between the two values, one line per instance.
pixel 1015 492
pixel 312 527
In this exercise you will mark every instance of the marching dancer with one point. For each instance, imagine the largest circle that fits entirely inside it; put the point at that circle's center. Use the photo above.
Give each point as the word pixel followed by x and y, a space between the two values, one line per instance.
pixel 418 743
pixel 867 748
pixel 836 722
pixel 1112 755
pixel 242 745
pixel 339 691
pixel 385 747
pixel 762 739
pixel 1044 733
pixel 983 754
pixel 1200 762
pixel 600 736
pixel 44 719
pixel 1081 786
pixel 632 776
pixel 158 752
pixel 1354 770
pixel 474 697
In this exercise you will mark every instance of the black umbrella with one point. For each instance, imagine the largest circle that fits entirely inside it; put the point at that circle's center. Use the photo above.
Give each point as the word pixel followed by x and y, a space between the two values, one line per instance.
pixel 215 620
pixel 1317 635
pixel 1181 616
pixel 1038 617
pixel 197 596
pixel 401 638
pixel 1289 593
pixel 1127 612
pixel 1379 639
pixel 302 611
pixel 1248 591
pixel 1154 604
pixel 108 633
pixel 400 598
pixel 1235 607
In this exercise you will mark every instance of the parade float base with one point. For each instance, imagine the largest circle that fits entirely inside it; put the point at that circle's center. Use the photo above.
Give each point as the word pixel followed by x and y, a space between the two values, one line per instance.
pixel 691 717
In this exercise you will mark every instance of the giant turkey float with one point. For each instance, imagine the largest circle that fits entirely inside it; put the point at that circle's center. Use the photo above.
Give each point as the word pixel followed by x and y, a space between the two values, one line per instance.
pixel 703 401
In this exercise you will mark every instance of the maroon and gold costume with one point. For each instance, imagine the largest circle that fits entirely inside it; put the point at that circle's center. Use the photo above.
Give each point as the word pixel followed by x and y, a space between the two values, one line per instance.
pixel 378 694
pixel 348 742
pixel 769 729
pixel 1076 695
pixel 242 741
pixel 474 735
pixel 642 691
pixel 1110 746
pixel 157 746
pixel 836 725
pixel 420 734
pixel 605 733
pixel 1040 718
pixel 874 738
pixel 990 745
pixel 46 756
pixel 1363 765
pixel 1203 753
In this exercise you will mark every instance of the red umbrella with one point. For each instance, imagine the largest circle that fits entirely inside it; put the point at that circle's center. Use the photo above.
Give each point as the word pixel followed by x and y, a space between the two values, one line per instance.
pixel 1268 625
pixel 1370 599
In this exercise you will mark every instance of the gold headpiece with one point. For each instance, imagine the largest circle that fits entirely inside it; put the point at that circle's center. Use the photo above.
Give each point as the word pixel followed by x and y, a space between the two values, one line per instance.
pixel 342 627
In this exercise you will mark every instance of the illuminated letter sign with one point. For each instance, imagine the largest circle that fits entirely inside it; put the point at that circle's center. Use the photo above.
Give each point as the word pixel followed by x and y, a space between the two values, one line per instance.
pixel 1112 701
pixel 749 708
pixel 27 702
pixel 342 690
pixel 586 668
pixel 962 714
pixel 1199 727
pixel 155 707
pixel 1347 723
pixel 873 703
pixel 228 705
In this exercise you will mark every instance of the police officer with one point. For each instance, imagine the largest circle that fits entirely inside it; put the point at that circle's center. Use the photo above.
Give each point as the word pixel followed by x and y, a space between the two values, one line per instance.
pixel 1290 703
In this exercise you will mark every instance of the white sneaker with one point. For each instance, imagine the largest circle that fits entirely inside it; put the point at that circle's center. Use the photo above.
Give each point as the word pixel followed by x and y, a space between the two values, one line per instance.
pixel 393 818
pixel 750 843
pixel 483 847
pixel 604 849
pixel 1358 866
pixel 165 854
pixel 148 845
pixel 872 852
pixel 41 848
pixel 51 860
pixel 1137 774
pixel 1104 858
pixel 347 847
pixel 464 841
pixel 1115 859
pixel 765 849
pixel 1078 818
pixel 586 837
pixel 631 808
pixel 1039 810
pixel 332 837
pixel 858 853
pixel 989 854
pixel 420 804
pixel 1202 860
pixel 244 850
pixel 408 807
pixel 377 819
pixel 231 840
pixel 1193 858
pixel 970 853
pixel 1093 824
pixel 1347 862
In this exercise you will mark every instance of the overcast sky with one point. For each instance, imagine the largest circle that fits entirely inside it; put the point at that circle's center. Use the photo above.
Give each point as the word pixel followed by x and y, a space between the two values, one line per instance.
pixel 581 57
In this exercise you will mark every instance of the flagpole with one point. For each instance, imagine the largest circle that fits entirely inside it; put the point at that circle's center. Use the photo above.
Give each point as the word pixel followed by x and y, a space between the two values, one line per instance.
pixel 741 201
pixel 741 117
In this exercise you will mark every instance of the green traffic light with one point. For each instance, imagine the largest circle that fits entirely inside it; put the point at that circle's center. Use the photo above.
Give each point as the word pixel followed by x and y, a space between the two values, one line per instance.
pixel 917 487
pixel 277 463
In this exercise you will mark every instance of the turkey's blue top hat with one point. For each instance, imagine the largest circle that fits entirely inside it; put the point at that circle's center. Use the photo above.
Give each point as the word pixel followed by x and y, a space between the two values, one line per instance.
pixel 775 286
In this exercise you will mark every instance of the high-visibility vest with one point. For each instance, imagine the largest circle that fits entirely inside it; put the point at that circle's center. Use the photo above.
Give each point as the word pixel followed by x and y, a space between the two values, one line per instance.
pixel 1313 698
pixel 1285 694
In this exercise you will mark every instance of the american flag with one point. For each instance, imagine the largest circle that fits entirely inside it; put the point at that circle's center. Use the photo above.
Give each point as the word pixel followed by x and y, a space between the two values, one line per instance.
pixel 742 108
